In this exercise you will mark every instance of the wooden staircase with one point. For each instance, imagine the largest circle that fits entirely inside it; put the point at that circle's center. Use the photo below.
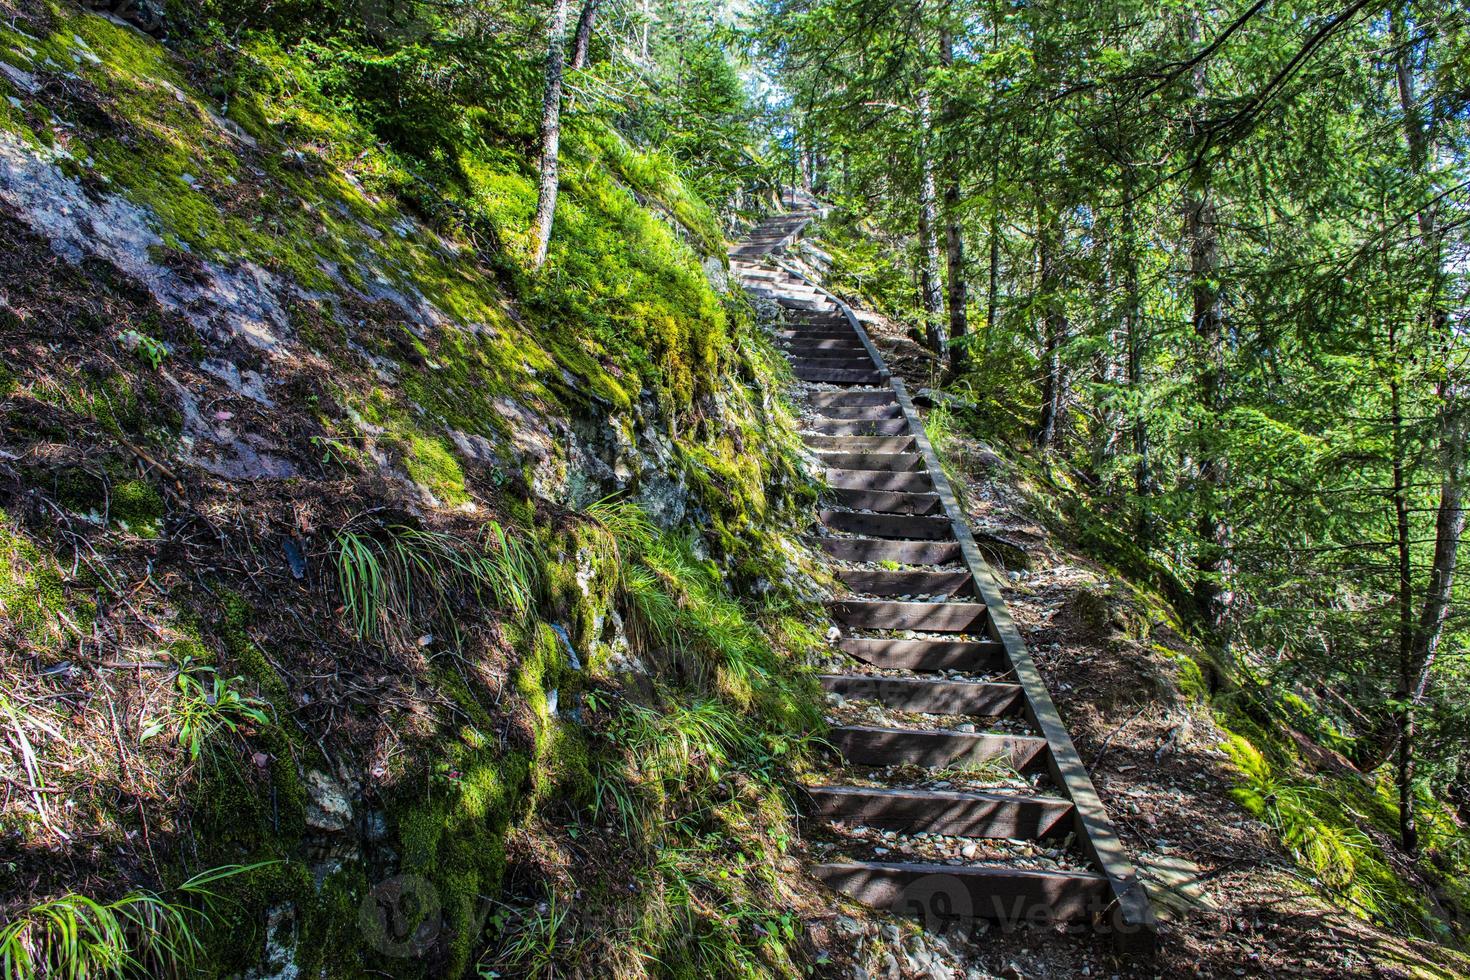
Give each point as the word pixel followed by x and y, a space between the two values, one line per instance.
pixel 970 749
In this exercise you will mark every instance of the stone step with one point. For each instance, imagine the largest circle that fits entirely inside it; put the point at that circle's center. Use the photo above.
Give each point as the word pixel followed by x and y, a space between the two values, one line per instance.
pixel 835 376
pixel 862 444
pixel 973 656
pixel 900 526
pixel 882 462
pixel 929 617
pixel 888 502
pixel 949 892
pixel 928 695
pixel 859 427
pixel 947 812
pixel 903 552
pixel 858 413
pixel 882 582
pixel 847 399
pixel 861 745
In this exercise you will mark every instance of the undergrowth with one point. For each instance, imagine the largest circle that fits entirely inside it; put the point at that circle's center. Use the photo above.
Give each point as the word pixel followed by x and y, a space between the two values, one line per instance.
pixel 141 934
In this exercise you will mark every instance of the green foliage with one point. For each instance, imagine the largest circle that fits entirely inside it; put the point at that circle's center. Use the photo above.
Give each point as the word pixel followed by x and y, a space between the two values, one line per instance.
pixel 149 350
pixel 207 704
pixel 141 934
pixel 1323 834
pixel 396 580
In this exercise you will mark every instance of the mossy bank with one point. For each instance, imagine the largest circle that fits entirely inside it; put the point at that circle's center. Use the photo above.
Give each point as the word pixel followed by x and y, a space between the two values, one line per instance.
pixel 447 608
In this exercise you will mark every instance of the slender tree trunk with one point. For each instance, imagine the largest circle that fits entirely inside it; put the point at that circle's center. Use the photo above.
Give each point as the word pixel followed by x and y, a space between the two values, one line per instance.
pixel 550 130
pixel 1449 528
pixel 957 295
pixel 992 278
pixel 1212 564
pixel 1053 329
pixel 1133 338
pixel 583 38
pixel 930 286
pixel 1449 523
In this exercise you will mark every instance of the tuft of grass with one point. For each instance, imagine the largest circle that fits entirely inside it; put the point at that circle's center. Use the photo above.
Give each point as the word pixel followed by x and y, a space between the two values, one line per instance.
pixel 537 942
pixel 626 523
pixel 397 581
pixel 141 934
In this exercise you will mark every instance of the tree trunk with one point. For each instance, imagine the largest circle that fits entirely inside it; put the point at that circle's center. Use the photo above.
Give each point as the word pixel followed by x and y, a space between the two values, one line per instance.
pixel 1449 522
pixel 1053 330
pixel 550 130
pixel 992 281
pixel 957 295
pixel 1134 339
pixel 1212 563
pixel 583 38
pixel 929 282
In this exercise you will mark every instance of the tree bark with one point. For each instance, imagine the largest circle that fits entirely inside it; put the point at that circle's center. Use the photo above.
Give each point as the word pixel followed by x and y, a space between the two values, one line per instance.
pixel 1134 339
pixel 957 286
pixel 582 41
pixel 550 130
pixel 1417 663
pixel 1212 563
pixel 1053 329
pixel 930 286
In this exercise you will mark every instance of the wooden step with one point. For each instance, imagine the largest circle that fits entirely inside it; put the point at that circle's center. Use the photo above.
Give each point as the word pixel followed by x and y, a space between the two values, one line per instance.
pixel 903 552
pixel 842 479
pixel 886 583
pixel 847 399
pixel 861 745
pixel 862 364
pixel 930 617
pixel 946 812
pixel 942 892
pixel 859 413
pixel 797 351
pixel 858 427
pixel 928 695
pixel 843 345
pixel 862 444
pixel 883 462
pixel 838 377
pixel 974 656
pixel 794 303
pixel 900 526
pixel 889 502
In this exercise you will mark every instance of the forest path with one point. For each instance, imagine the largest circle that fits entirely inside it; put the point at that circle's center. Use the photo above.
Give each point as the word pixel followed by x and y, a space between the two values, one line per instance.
pixel 957 792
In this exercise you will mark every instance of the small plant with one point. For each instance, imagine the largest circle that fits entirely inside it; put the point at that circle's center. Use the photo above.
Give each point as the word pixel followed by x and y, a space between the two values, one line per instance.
pixel 536 941
pixel 207 705
pixel 141 934
pixel 147 349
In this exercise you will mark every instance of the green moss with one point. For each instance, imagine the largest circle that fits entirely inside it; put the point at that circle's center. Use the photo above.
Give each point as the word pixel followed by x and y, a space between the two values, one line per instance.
pixel 454 835
pixel 139 506
pixel 433 467
pixel 33 596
